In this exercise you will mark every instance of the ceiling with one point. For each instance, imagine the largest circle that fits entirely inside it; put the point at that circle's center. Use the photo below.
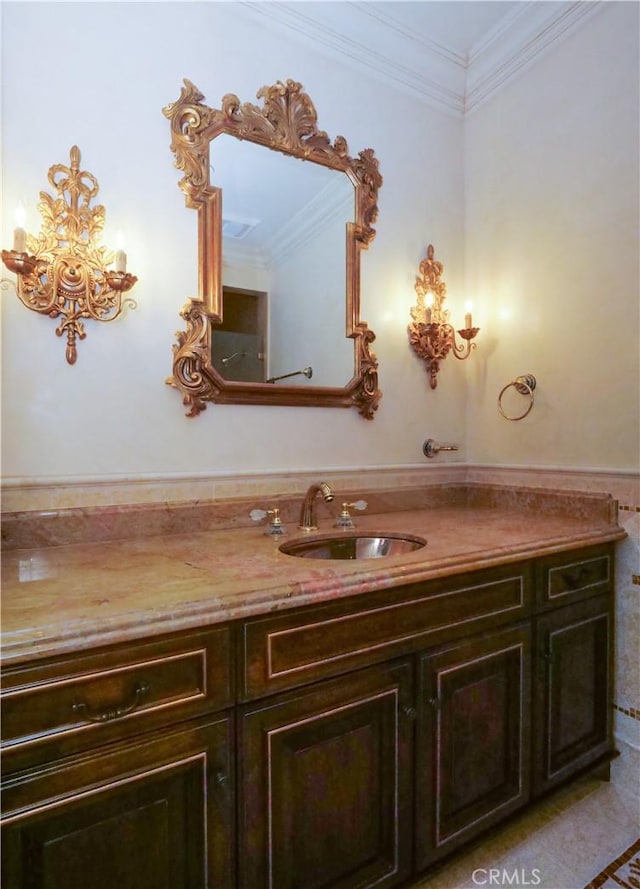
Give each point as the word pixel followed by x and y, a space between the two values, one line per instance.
pixel 455 26
pixel 452 54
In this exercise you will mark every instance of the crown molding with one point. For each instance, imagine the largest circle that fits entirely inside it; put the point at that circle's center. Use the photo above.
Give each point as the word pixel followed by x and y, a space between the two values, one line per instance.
pixel 373 44
pixel 378 44
pixel 332 204
pixel 518 41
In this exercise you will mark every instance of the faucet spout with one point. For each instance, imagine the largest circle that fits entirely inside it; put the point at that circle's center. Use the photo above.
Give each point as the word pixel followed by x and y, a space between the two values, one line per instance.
pixel 307 513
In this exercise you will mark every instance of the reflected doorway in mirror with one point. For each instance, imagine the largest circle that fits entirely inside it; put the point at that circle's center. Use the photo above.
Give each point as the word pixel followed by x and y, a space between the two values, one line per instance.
pixel 239 341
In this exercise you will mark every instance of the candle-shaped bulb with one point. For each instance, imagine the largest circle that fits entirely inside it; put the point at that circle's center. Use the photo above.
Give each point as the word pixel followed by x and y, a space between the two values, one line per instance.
pixel 19 233
pixel 428 305
pixel 121 256
pixel 468 321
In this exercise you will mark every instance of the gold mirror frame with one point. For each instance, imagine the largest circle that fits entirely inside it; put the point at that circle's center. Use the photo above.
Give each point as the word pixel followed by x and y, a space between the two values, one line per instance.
pixel 287 123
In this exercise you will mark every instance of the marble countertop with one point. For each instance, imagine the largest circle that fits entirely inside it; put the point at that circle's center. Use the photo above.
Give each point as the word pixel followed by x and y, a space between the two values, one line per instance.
pixel 67 598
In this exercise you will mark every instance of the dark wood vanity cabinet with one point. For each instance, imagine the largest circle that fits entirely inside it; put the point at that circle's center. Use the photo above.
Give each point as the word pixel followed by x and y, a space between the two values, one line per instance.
pixel 474 717
pixel 119 767
pixel 572 693
pixel 472 747
pixel 156 814
pixel 325 784
pixel 573 669
pixel 348 744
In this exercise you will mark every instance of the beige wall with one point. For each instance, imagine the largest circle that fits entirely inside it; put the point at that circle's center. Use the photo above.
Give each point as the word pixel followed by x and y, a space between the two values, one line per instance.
pixel 534 199
pixel 551 220
pixel 551 217
pixel 104 73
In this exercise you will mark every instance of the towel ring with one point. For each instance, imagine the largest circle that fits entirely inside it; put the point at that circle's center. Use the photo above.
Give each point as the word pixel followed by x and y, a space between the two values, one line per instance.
pixel 525 385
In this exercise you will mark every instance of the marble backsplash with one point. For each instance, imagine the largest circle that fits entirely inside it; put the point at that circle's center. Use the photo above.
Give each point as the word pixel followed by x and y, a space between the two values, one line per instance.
pixel 96 524
pixel 41 495
pixel 70 493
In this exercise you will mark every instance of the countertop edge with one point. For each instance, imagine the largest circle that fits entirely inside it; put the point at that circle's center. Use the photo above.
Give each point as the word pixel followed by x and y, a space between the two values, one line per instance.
pixel 16 649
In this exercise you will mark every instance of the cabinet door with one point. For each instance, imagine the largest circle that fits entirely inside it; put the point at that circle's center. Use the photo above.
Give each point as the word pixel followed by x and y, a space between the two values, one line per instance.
pixel 325 784
pixel 472 752
pixel 572 702
pixel 133 817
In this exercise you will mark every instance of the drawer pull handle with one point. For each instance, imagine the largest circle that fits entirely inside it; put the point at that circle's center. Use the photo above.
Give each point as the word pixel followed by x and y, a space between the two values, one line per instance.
pixel 573 581
pixel 115 713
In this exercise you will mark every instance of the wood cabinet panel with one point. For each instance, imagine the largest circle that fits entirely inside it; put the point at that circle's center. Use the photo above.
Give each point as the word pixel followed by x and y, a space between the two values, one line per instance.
pixel 288 650
pixel 325 784
pixel 156 815
pixel 572 576
pixel 472 748
pixel 572 711
pixel 61 706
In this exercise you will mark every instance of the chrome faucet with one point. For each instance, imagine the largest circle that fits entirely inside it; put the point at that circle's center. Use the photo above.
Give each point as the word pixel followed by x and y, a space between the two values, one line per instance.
pixel 307 516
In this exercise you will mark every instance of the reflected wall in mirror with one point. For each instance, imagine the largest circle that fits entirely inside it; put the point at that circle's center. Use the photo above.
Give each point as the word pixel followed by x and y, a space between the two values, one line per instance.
pixel 282 216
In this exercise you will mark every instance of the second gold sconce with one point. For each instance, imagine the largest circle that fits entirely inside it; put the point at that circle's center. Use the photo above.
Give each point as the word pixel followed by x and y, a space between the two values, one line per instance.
pixel 65 273
pixel 430 333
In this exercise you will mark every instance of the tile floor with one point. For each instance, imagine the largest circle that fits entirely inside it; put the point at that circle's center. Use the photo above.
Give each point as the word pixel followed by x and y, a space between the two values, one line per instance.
pixel 562 843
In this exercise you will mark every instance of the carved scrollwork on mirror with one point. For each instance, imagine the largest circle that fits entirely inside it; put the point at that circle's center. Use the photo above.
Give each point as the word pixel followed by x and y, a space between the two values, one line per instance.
pixel 311 288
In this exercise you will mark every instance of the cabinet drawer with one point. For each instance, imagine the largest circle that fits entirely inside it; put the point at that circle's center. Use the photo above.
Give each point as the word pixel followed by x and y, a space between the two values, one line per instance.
pixel 288 650
pixel 575 575
pixel 56 707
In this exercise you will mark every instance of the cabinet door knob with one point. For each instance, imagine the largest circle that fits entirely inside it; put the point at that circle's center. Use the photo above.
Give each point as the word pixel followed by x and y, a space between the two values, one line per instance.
pixel 410 712
pixel 221 779
pixel 115 712
pixel 436 703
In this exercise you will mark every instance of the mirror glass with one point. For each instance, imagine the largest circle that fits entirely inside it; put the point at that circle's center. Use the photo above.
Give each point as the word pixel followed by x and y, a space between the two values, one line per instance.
pixel 283 214
pixel 284 238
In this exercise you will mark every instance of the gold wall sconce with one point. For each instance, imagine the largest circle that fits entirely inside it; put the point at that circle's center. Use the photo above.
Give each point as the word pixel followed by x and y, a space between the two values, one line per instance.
pixel 430 332
pixel 63 271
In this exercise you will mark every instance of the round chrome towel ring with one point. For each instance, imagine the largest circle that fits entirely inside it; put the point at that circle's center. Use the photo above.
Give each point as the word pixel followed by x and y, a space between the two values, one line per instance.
pixel 525 385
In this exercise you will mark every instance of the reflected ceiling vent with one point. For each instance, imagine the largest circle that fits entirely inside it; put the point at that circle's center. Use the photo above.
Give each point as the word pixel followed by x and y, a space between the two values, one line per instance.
pixel 237 228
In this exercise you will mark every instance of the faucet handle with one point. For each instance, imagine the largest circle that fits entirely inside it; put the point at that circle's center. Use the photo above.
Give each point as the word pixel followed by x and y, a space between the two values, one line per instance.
pixel 344 520
pixel 275 528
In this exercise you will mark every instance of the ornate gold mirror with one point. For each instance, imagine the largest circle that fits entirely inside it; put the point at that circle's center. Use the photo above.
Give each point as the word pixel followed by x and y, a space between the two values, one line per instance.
pixel 279 239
